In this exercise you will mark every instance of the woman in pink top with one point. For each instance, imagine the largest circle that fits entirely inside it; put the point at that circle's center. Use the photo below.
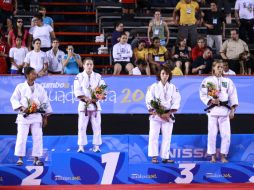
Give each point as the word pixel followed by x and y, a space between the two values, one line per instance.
pixel 18 30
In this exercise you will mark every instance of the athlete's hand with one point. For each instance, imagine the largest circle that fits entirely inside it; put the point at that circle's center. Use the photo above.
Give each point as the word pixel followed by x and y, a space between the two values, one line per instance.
pixel 165 117
pixel 232 114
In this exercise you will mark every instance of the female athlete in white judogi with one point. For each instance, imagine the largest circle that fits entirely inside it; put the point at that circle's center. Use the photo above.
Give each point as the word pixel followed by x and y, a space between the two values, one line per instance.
pixel 170 100
pixel 32 92
pixel 220 109
pixel 84 83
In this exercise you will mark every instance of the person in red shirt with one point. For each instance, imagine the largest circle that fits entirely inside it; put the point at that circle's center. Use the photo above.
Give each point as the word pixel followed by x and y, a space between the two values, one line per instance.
pixel 198 50
pixel 18 30
pixel 4 49
pixel 8 8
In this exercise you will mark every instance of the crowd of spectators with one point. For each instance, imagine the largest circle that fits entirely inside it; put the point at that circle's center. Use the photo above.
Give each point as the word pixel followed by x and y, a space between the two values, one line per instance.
pixel 36 46
pixel 194 53
pixel 191 54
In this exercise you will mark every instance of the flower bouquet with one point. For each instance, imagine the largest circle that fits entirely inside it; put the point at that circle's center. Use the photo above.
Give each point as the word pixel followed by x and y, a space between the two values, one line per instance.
pixel 157 107
pixel 212 90
pixel 99 93
pixel 213 93
pixel 34 108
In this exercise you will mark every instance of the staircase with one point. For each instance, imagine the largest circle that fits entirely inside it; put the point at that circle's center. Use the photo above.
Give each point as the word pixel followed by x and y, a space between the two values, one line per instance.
pixel 75 24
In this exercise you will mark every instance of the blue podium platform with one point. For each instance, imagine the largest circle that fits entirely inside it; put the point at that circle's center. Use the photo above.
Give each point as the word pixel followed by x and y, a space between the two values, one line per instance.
pixel 124 160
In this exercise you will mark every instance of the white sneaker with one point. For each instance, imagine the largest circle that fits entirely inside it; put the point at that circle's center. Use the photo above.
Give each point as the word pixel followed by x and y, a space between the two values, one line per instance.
pixel 81 149
pixel 96 148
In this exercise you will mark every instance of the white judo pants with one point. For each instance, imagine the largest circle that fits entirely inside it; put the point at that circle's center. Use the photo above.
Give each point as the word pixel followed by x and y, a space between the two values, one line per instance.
pixel 154 134
pixel 216 123
pixel 83 120
pixel 23 131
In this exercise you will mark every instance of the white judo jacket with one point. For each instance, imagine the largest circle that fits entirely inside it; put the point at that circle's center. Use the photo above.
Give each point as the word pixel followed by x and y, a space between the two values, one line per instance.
pixel 21 94
pixel 83 84
pixel 168 94
pixel 227 92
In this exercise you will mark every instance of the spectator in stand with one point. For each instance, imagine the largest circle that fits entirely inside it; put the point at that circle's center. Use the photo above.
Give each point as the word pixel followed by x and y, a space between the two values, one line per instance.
pixel 140 67
pixel 187 25
pixel 46 19
pixel 7 10
pixel 203 64
pixel 231 50
pixel 116 35
pixel 17 56
pixel 175 69
pixel 4 49
pixel 37 59
pixel 226 70
pixel 18 30
pixel 122 54
pixel 222 4
pixel 246 63
pixel 33 22
pixel 158 27
pixel 141 53
pixel 42 31
pixel 244 14
pixel 55 57
pixel 181 54
pixel 215 24
pixel 198 50
pixel 157 55
pixel 71 61
pixel 128 7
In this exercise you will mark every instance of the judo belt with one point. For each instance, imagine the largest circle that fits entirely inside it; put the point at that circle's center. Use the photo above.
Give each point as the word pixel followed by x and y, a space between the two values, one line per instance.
pixel 96 108
pixel 171 116
pixel 225 104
